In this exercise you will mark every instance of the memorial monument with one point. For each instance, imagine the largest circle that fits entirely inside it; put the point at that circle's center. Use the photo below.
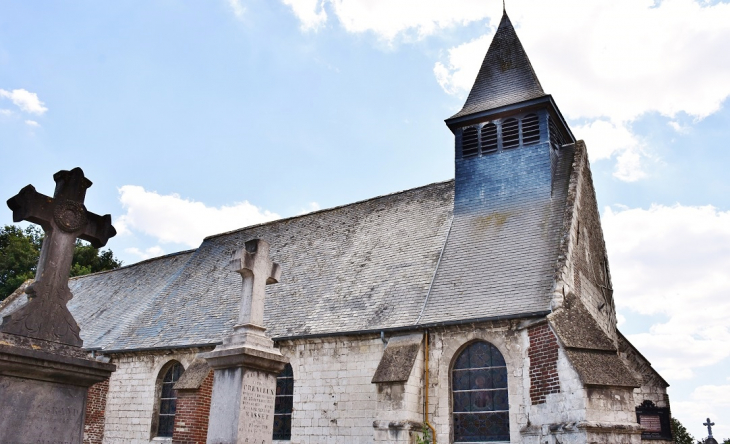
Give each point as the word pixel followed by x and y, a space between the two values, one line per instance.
pixel 44 372
pixel 246 364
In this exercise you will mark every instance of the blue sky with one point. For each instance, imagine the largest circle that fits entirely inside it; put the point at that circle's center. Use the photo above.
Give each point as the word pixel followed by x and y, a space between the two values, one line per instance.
pixel 193 118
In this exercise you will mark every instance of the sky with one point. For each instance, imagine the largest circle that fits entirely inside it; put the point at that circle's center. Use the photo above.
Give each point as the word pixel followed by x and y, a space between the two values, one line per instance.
pixel 194 118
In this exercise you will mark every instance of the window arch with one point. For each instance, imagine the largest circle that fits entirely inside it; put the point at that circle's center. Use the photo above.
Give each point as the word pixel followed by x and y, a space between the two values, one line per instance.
pixel 167 404
pixel 480 405
pixel 284 403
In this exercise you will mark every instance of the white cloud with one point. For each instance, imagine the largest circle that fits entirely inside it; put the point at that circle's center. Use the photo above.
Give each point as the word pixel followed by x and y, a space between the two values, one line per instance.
pixel 310 12
pixel 389 18
pixel 25 100
pixel 32 123
pixel 312 206
pixel 674 261
pixel 678 127
pixel 711 401
pixel 238 9
pixel 173 219
pixel 612 61
pixel 6 112
pixel 147 253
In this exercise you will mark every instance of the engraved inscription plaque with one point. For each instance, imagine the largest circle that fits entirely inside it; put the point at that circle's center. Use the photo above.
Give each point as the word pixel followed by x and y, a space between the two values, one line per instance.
pixel 38 411
pixel 256 423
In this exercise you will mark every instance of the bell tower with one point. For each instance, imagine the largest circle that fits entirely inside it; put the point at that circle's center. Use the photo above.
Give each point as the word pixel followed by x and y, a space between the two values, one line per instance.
pixel 509 132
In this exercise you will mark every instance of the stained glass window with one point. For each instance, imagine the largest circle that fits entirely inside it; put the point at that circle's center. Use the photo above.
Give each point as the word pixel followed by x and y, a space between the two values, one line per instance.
pixel 168 400
pixel 480 403
pixel 284 403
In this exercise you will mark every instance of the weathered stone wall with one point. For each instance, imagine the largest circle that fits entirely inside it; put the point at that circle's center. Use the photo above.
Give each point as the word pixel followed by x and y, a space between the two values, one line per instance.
pixel 334 399
pixel 132 393
pixel 591 276
pixel 95 413
pixel 583 262
pixel 191 417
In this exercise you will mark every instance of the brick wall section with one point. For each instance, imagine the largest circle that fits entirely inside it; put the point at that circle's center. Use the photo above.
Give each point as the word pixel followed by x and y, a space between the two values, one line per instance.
pixel 191 417
pixel 543 353
pixel 95 409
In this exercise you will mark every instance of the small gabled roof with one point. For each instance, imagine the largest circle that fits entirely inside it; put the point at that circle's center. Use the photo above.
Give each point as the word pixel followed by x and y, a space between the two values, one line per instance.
pixel 506 75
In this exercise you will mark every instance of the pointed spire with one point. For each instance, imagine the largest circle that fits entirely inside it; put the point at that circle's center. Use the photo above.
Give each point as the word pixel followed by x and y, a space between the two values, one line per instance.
pixel 506 75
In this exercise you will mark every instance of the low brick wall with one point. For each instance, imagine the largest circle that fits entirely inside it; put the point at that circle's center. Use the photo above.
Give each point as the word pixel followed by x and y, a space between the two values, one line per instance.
pixel 543 354
pixel 95 410
pixel 191 418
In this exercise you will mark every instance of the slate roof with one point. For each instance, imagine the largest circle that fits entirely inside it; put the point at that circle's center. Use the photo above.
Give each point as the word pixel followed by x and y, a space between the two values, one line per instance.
pixel 361 267
pixel 506 75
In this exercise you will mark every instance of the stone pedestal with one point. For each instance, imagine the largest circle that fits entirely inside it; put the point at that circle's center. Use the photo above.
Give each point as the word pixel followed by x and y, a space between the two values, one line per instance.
pixel 244 388
pixel 43 388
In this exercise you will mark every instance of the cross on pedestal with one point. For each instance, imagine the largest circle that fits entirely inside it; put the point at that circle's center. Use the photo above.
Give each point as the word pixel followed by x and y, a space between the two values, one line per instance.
pixel 257 270
pixel 709 426
pixel 63 219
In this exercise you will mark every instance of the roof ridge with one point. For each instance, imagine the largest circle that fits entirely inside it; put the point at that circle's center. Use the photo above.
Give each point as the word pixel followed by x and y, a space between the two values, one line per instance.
pixel 262 224
pixel 145 261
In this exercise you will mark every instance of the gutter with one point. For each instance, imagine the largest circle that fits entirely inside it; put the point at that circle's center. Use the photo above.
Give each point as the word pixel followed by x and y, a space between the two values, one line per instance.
pixel 374 331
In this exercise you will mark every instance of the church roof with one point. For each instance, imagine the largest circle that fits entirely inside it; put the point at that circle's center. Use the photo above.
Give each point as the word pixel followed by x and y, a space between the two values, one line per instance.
pixel 506 75
pixel 367 266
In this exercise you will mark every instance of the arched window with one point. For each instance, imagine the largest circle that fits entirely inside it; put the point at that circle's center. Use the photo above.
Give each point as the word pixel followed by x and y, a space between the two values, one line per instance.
pixel 469 142
pixel 489 138
pixel 480 403
pixel 284 403
pixel 530 129
pixel 168 399
pixel 510 133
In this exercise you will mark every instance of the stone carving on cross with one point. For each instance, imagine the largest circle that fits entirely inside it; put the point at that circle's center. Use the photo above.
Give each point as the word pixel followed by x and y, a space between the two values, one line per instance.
pixel 257 270
pixel 709 426
pixel 64 218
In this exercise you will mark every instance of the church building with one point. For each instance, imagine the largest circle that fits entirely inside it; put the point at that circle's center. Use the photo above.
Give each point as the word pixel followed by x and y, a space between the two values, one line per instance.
pixel 476 310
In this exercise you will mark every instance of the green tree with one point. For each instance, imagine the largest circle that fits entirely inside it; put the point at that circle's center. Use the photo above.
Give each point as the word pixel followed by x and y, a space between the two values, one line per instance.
pixel 20 249
pixel 680 433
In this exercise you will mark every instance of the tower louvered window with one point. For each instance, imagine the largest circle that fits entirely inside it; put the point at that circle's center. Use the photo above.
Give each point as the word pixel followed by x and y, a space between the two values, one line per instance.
pixel 556 139
pixel 530 129
pixel 469 142
pixel 510 133
pixel 479 390
pixel 489 138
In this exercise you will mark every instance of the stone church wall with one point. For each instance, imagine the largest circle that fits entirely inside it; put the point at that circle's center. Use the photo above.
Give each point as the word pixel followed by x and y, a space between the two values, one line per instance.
pixel 591 276
pixel 583 261
pixel 334 398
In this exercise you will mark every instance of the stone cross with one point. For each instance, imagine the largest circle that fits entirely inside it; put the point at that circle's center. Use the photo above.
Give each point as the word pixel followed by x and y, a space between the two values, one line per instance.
pixel 63 219
pixel 709 426
pixel 257 270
